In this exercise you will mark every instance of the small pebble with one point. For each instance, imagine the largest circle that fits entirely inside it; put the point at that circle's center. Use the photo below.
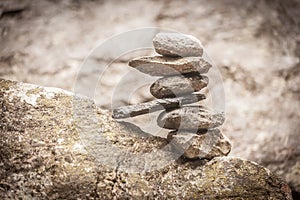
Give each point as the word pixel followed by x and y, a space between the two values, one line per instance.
pixel 177 45
pixel 173 86
pixel 190 118
pixel 200 145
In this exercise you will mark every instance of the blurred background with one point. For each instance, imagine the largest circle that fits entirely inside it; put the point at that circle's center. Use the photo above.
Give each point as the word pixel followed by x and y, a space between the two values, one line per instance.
pixel 255 45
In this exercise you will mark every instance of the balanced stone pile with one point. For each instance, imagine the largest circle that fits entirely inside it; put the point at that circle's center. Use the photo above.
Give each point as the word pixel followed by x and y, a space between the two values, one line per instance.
pixel 181 66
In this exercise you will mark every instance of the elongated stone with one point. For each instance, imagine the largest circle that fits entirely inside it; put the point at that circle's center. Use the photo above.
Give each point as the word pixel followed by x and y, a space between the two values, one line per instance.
pixel 155 105
pixel 164 66
pixel 173 86
pixel 177 44
pixel 190 118
pixel 209 144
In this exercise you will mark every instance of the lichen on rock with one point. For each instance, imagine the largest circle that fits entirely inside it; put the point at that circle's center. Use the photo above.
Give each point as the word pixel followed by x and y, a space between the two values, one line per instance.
pixel 44 156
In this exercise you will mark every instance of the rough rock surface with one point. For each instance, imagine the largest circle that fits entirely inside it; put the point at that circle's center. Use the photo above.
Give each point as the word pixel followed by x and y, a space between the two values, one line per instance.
pixel 43 156
pixel 164 66
pixel 241 38
pixel 173 86
pixel 190 118
pixel 177 44
pixel 155 105
pixel 206 144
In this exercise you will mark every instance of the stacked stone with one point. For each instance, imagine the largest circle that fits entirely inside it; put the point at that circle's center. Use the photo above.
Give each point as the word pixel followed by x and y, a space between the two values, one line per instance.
pixel 181 66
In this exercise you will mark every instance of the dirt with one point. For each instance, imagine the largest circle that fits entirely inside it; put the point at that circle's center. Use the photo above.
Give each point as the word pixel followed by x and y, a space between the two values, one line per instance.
pixel 255 45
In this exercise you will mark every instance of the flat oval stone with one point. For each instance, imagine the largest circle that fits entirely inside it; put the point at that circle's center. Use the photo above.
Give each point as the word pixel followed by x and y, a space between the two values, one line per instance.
pixel 206 145
pixel 165 66
pixel 177 44
pixel 173 86
pixel 190 118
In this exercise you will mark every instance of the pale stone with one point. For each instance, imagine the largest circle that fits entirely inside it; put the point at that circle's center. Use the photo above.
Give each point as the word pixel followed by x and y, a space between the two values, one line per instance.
pixel 50 150
pixel 164 66
pixel 177 44
pixel 206 144
pixel 190 118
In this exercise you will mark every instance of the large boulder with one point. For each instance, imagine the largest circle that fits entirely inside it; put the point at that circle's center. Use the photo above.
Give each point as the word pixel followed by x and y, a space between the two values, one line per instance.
pixel 55 145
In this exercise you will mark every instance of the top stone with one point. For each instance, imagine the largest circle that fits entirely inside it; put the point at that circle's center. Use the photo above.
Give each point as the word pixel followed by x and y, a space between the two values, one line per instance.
pixel 177 45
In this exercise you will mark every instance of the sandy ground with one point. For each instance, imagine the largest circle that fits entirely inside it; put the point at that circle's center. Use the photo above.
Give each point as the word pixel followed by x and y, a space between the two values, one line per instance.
pixel 255 45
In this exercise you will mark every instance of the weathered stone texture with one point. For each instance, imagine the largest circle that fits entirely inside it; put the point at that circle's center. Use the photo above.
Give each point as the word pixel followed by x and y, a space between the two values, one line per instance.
pixel 190 118
pixel 177 44
pixel 155 105
pixel 49 149
pixel 165 66
pixel 173 86
pixel 202 144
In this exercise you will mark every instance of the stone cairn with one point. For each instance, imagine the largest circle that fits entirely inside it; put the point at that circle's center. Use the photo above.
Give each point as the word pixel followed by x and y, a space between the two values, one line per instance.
pixel 181 66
